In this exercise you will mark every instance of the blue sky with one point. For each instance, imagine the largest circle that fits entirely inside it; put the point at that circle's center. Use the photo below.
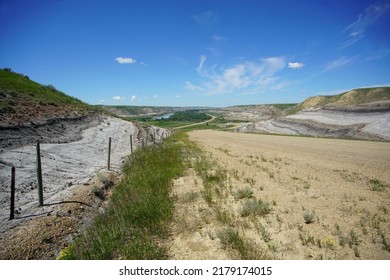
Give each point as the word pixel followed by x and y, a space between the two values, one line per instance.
pixel 197 53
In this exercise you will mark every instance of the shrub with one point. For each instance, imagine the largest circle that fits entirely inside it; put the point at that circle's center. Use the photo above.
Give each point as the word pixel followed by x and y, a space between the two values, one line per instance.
pixel 309 217
pixel 376 185
pixel 243 193
pixel 255 207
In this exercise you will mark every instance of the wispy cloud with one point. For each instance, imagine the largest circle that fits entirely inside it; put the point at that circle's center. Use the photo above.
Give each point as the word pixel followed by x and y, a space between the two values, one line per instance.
pixel 202 61
pixel 219 38
pixel 357 29
pixel 125 60
pixel 192 87
pixel 295 65
pixel 378 55
pixel 337 63
pixel 244 78
pixel 133 98
pixel 207 18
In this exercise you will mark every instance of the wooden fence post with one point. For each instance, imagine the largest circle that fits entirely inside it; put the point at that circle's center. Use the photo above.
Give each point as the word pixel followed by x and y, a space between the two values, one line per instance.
pixel 12 210
pixel 162 137
pixel 154 137
pixel 39 175
pixel 131 143
pixel 109 153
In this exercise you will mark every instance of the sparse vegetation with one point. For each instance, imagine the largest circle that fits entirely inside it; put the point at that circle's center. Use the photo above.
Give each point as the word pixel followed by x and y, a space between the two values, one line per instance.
pixel 243 193
pixel 376 185
pixel 255 207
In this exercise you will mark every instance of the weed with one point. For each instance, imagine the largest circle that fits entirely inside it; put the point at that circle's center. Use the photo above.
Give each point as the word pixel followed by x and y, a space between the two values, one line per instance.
pixel 352 239
pixel 356 251
pixel 328 243
pixel 255 207
pixel 272 247
pixel 207 195
pixel 230 238
pixel 243 193
pixel 250 181
pixel 376 185
pixel 306 241
pixel 222 216
pixel 264 232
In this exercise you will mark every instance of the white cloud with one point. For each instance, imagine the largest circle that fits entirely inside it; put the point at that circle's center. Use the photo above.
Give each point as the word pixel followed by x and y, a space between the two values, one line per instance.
pixel 133 98
pixel 295 65
pixel 369 16
pixel 244 78
pixel 119 98
pixel 155 96
pixel 337 63
pixel 125 60
pixel 178 96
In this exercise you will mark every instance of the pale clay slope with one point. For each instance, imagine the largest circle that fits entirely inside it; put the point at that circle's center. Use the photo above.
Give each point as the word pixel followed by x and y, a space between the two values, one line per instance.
pixel 374 125
pixel 64 166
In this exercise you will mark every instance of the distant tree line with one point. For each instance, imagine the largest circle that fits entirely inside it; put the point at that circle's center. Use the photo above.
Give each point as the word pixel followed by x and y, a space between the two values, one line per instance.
pixel 189 115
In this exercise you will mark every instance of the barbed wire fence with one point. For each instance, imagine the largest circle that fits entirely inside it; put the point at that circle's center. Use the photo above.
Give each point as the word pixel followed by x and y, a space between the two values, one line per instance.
pixel 12 184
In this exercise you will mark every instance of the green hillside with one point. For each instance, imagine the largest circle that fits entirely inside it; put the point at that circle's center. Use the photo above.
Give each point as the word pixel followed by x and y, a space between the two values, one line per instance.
pixel 24 101
pixel 17 85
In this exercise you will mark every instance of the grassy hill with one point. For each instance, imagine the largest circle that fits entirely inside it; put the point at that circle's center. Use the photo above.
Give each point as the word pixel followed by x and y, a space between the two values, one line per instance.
pixel 23 100
pixel 350 98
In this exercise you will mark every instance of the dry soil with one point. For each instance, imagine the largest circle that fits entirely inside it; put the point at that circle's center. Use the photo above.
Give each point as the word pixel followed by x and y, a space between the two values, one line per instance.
pixel 343 184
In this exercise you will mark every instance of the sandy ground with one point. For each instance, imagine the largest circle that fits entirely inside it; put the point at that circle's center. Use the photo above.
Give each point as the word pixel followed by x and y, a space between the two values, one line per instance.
pixel 334 180
pixel 64 166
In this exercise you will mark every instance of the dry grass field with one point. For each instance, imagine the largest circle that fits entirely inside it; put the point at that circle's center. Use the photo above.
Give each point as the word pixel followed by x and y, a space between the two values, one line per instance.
pixel 250 196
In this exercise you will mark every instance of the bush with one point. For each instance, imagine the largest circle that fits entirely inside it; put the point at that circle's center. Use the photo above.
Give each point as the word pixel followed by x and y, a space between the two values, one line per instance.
pixel 255 207
pixel 243 193
pixel 309 217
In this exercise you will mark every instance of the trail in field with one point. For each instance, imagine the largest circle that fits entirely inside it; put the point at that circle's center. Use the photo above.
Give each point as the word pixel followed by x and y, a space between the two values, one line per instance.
pixel 194 124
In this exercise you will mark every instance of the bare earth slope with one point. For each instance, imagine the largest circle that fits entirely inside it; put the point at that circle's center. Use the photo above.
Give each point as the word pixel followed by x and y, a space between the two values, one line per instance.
pixel 357 114
pixel 344 184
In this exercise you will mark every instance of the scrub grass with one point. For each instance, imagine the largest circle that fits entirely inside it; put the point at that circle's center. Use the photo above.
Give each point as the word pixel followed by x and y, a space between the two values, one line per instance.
pixel 140 210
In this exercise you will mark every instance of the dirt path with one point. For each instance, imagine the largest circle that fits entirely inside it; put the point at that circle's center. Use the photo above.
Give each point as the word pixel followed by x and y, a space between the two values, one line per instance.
pixel 329 199
pixel 194 124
